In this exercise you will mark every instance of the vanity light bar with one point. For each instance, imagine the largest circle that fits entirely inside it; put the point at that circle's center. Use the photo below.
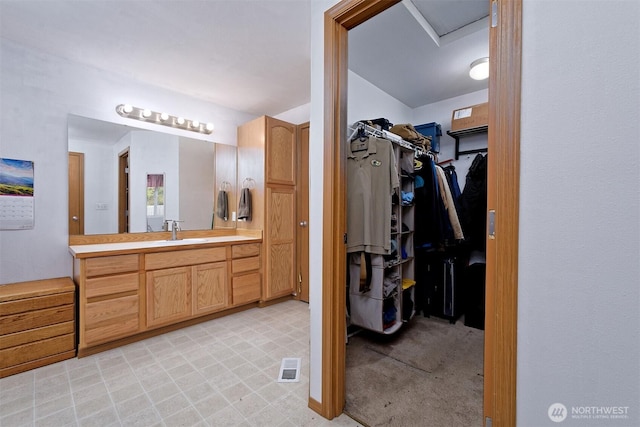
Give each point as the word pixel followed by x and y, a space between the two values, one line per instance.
pixel 146 115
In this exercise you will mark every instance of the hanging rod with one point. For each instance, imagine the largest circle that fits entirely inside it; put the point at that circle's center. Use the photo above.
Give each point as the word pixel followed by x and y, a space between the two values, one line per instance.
pixel 385 134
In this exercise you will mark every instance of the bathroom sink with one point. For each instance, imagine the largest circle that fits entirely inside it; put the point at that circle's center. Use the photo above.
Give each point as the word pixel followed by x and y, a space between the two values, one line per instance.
pixel 180 241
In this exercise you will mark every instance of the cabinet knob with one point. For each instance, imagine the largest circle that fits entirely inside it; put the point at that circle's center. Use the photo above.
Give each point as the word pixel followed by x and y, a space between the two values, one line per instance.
pixel 303 223
pixel 75 218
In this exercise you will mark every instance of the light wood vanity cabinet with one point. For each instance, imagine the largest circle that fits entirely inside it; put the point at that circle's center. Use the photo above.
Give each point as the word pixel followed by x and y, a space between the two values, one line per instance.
pixel 123 298
pixel 267 155
pixel 110 296
pixel 197 285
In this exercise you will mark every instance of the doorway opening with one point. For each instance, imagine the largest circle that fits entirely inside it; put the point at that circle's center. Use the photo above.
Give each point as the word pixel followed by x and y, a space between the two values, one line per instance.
pixel 503 197
pixel 425 357
pixel 123 192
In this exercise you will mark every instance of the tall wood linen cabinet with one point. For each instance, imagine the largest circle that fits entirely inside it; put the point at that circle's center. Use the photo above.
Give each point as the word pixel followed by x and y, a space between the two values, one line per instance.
pixel 267 166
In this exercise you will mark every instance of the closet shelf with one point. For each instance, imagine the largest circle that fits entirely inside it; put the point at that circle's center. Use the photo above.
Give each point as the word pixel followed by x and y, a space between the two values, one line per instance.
pixel 397 262
pixel 467 132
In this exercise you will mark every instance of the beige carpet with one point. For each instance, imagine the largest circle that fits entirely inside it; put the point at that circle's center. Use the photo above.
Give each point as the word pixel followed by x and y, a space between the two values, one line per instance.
pixel 427 374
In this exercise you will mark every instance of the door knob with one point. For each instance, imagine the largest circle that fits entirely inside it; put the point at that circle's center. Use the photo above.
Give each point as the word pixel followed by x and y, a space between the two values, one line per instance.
pixel 75 218
pixel 303 223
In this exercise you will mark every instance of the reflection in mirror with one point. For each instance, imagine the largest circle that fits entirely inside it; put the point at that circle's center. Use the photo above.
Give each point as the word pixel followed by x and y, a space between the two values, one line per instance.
pixel 226 186
pixel 155 202
pixel 189 168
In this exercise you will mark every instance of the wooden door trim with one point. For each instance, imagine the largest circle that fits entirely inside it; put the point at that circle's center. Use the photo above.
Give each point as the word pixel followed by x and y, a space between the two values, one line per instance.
pixel 503 196
pixel 504 172
pixel 123 190
pixel 337 22
pixel 302 213
pixel 80 192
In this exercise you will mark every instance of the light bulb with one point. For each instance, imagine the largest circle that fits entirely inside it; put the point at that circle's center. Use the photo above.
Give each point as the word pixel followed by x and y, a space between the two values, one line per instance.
pixel 164 117
pixel 209 127
pixel 195 124
pixel 127 108
pixel 146 112
pixel 180 120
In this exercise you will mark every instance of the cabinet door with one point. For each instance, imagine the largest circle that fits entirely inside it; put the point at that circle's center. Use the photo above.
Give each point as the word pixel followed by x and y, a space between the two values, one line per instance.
pixel 168 295
pixel 280 152
pixel 210 287
pixel 280 236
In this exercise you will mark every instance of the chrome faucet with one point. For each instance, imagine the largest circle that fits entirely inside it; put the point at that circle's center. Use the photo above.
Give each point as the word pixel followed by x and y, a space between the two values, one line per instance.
pixel 175 227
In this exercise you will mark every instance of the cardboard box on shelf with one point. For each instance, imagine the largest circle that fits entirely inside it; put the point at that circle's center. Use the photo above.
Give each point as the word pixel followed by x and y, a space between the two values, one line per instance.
pixel 470 117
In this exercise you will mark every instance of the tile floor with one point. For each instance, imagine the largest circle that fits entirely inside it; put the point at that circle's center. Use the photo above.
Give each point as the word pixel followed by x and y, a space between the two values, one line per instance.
pixel 219 373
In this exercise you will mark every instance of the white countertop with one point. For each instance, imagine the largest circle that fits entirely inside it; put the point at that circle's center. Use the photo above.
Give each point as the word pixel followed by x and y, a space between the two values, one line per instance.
pixel 123 246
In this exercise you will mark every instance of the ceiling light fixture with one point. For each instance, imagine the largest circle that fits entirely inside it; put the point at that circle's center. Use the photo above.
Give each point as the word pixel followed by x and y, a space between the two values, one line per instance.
pixel 146 115
pixel 479 69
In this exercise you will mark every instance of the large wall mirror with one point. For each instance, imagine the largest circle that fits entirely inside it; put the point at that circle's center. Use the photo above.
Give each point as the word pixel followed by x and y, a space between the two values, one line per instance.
pixel 124 179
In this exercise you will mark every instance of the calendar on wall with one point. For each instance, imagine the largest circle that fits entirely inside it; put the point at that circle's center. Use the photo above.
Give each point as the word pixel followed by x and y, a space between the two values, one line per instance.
pixel 16 194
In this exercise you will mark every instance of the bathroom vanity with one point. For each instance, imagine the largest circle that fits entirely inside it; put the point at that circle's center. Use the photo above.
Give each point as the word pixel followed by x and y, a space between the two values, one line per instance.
pixel 135 281
pixel 131 290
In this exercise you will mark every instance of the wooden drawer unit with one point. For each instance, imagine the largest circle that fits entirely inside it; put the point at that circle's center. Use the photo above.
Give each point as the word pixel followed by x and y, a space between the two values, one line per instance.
pixel 246 277
pixel 37 324
pixel 109 299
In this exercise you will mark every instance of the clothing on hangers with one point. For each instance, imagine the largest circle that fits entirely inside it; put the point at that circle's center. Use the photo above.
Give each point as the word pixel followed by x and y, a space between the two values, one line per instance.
pixel 371 180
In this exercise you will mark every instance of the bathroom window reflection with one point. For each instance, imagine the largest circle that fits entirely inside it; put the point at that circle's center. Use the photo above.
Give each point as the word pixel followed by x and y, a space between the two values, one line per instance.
pixel 155 202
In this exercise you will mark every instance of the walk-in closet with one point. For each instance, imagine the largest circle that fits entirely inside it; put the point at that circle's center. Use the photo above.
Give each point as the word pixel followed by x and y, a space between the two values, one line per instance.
pixel 416 231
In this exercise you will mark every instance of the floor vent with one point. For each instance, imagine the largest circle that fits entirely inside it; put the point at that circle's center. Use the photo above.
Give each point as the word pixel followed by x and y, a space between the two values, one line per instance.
pixel 289 370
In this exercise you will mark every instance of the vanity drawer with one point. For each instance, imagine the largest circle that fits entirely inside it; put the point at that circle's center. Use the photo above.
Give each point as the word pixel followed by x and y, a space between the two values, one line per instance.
pixel 184 258
pixel 245 264
pixel 112 318
pixel 246 288
pixel 110 285
pixel 247 250
pixel 111 265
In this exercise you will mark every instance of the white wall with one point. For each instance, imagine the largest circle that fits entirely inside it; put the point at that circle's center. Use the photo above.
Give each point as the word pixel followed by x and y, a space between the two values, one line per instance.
pixel 197 184
pixel 38 92
pixel 579 259
pixel 297 115
pixel 316 165
pixel 365 101
pixel 152 153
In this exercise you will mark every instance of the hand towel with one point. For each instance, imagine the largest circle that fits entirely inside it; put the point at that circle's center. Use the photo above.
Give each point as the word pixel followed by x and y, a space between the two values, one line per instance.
pixel 244 205
pixel 222 209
